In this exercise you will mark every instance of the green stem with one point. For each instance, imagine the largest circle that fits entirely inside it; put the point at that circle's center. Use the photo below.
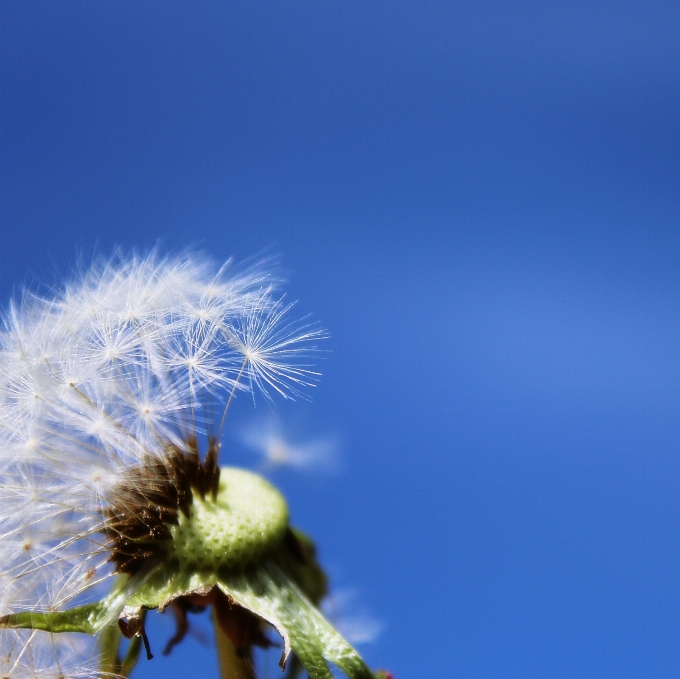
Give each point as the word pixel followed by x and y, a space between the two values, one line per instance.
pixel 109 643
pixel 232 665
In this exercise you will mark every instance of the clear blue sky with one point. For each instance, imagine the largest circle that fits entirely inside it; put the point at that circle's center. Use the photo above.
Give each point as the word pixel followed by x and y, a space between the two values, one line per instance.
pixel 480 201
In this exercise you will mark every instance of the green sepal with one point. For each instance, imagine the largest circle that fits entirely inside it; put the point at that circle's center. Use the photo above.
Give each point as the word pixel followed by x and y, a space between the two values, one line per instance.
pixel 297 557
pixel 81 619
pixel 294 667
pixel 168 584
pixel 271 594
pixel 90 618
pixel 283 591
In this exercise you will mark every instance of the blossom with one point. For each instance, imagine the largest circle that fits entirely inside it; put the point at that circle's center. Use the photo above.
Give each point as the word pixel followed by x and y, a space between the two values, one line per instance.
pixel 110 388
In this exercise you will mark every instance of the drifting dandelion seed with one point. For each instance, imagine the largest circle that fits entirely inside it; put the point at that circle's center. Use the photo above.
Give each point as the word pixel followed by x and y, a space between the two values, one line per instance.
pixel 355 623
pixel 109 391
pixel 267 439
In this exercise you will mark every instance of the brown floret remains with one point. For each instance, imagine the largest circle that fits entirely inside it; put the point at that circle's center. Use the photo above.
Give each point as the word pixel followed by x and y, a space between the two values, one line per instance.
pixel 148 499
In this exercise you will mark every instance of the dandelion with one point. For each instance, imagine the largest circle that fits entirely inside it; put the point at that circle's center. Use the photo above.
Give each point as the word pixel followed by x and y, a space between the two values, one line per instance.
pixel 113 393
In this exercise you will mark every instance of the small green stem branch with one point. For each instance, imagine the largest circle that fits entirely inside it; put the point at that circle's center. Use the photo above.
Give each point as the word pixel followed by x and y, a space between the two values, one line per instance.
pixel 231 664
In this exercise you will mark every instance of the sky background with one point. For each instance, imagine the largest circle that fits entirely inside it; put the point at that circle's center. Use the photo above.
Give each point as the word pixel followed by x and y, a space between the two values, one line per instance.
pixel 480 201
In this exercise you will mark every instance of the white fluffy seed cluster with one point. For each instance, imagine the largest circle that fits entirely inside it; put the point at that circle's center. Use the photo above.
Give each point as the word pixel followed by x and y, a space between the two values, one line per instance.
pixel 94 378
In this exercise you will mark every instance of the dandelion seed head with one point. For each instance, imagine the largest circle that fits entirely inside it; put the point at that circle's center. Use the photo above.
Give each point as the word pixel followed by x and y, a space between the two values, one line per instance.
pixel 117 377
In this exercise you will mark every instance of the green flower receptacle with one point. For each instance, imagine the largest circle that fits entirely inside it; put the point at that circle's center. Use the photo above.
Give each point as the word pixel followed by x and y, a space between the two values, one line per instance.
pixel 246 520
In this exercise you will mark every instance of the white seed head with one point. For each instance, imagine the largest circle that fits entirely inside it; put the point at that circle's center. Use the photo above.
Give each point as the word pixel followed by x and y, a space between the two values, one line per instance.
pixel 128 360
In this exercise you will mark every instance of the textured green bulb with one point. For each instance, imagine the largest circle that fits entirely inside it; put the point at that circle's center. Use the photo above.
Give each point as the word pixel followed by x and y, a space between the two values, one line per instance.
pixel 246 520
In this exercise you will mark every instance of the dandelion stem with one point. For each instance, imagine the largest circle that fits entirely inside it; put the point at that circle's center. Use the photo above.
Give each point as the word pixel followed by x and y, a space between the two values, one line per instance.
pixel 109 642
pixel 232 664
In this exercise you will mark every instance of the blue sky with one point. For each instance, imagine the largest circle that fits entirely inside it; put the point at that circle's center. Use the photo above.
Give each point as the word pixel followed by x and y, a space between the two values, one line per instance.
pixel 480 201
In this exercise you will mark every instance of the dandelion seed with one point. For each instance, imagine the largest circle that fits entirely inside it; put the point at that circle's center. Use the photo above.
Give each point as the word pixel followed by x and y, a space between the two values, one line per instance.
pixel 267 439
pixel 355 623
pixel 109 391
